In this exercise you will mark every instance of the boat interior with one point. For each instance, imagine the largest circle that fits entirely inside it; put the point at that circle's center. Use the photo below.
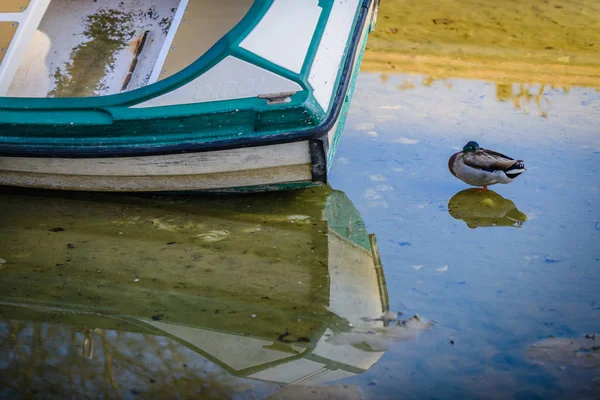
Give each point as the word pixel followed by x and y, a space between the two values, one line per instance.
pixel 74 48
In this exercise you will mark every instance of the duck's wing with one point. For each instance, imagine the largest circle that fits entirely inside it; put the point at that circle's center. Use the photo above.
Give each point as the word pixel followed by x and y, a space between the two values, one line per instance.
pixel 452 161
pixel 488 160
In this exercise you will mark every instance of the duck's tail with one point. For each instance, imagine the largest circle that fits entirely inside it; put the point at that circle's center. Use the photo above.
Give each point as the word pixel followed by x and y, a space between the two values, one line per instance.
pixel 516 169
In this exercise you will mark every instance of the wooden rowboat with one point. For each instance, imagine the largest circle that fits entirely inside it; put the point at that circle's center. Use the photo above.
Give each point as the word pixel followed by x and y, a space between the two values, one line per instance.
pixel 176 95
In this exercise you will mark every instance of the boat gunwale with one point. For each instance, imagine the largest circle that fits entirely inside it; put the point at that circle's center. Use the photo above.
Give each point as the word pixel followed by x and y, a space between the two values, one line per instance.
pixel 313 133
pixel 202 64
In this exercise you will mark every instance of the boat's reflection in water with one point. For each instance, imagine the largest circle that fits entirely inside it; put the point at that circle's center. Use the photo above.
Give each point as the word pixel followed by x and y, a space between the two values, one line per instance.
pixel 118 295
pixel 484 209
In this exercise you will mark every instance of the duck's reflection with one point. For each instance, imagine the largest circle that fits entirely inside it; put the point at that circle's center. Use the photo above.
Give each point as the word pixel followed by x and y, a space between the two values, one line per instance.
pixel 163 295
pixel 485 208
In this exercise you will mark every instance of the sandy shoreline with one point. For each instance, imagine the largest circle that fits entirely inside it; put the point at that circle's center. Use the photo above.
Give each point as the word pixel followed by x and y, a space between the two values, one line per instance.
pixel 555 43
pixel 443 67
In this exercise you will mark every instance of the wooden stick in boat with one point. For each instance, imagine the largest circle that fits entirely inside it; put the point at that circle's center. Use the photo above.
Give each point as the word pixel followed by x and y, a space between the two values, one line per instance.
pixel 136 58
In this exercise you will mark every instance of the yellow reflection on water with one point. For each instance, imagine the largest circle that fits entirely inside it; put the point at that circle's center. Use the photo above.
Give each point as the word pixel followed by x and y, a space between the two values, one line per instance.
pixel 529 98
pixel 484 209
pixel 524 95
pixel 539 42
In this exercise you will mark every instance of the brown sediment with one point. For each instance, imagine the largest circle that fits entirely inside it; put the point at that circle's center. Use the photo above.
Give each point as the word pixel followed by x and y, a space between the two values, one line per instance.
pixel 438 67
pixel 13 6
pixel 7 31
pixel 501 41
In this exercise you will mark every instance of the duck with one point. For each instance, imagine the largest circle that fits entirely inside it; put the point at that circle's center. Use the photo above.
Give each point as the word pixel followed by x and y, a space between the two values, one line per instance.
pixel 481 167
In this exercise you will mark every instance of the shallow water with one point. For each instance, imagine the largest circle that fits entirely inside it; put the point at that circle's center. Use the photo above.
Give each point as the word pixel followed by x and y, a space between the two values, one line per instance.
pixel 492 290
pixel 233 297
pixel 217 297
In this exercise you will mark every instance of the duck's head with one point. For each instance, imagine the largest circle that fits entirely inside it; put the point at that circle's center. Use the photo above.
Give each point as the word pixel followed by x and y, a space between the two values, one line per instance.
pixel 471 147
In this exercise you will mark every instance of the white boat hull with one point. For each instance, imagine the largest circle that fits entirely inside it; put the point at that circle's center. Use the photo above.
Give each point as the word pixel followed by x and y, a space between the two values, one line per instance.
pixel 273 165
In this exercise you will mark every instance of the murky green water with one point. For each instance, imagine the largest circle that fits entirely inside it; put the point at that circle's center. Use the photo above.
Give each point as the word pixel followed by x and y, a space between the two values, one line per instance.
pixel 217 297
pixel 236 297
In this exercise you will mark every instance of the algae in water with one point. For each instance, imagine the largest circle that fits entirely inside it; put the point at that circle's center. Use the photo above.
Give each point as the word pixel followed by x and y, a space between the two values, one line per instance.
pixel 109 31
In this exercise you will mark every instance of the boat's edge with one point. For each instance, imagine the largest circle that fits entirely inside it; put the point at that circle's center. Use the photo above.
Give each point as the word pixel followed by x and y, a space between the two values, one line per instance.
pixel 288 135
pixel 243 169
pixel 321 140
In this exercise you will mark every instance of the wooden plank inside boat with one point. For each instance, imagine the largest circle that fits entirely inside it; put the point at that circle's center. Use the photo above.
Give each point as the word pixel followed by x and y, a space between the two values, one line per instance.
pixel 13 6
pixel 202 26
pixel 7 32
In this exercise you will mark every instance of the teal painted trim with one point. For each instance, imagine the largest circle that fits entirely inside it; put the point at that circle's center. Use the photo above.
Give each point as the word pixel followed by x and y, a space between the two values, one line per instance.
pixel 215 54
pixel 252 58
pixel 347 49
pixel 344 219
pixel 344 114
pixel 173 125
pixel 204 128
pixel 72 117
pixel 65 110
pixel 326 6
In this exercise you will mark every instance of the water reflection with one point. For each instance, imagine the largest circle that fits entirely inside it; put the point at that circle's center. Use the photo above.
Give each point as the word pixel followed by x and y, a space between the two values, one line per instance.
pixel 124 295
pixel 530 98
pixel 493 294
pixel 484 209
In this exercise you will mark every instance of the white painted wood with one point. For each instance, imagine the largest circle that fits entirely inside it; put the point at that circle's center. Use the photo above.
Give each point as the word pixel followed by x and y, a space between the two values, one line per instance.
pixel 346 353
pixel 219 181
pixel 230 79
pixel 354 286
pixel 325 68
pixel 31 78
pixel 167 165
pixel 267 165
pixel 294 371
pixel 284 33
pixel 364 33
pixel 28 21
pixel 236 351
pixel 164 51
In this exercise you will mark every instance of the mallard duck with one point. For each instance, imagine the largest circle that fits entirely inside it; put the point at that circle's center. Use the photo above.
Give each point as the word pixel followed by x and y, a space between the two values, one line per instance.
pixel 481 167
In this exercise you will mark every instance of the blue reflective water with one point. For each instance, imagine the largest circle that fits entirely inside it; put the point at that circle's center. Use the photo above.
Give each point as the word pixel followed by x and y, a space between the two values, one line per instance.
pixel 493 291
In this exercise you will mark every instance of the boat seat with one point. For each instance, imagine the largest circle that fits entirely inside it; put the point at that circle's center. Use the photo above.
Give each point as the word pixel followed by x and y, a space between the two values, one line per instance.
pixel 7 32
pixel 19 20
pixel 199 25
pixel 13 6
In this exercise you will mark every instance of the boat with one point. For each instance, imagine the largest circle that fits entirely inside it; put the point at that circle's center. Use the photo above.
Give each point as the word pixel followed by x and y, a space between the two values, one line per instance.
pixel 123 289
pixel 176 95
